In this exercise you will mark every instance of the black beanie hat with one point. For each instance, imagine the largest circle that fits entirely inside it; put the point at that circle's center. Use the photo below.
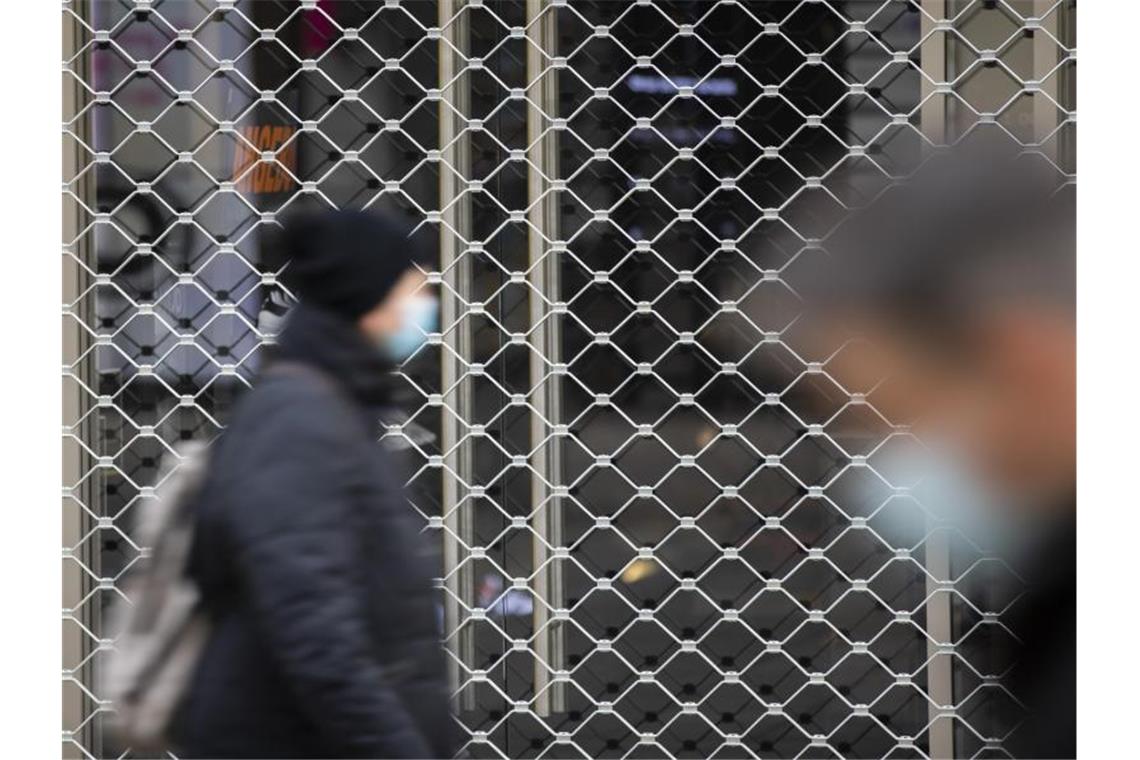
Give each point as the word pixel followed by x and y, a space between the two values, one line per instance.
pixel 343 261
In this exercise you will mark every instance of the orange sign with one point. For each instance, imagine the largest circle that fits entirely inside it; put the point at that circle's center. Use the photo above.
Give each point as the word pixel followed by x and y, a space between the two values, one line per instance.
pixel 267 176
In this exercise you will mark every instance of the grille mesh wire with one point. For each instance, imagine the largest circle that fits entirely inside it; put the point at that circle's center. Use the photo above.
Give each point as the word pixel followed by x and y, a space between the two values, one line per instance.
pixel 662 530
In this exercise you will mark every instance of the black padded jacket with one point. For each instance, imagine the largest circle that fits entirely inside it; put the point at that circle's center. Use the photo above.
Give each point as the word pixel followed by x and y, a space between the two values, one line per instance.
pixel 325 640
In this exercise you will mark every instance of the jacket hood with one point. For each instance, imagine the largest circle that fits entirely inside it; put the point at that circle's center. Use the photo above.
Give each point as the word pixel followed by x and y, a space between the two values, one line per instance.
pixel 333 343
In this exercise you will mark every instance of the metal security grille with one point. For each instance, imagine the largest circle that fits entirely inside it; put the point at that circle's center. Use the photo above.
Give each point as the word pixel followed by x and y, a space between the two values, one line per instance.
pixel 663 531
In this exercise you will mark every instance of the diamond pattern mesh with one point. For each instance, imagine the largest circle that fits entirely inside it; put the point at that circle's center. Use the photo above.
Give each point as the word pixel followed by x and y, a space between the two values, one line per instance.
pixel 662 530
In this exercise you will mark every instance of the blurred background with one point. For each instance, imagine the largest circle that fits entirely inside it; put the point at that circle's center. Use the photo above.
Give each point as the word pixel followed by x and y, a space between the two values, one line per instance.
pixel 673 517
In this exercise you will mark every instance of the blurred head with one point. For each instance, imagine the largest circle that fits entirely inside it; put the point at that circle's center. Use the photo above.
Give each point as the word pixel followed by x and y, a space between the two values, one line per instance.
pixel 362 267
pixel 962 283
pixel 400 323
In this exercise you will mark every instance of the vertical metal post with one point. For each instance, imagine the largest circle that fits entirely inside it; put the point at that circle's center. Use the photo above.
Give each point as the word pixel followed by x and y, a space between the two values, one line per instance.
pixel 939 673
pixel 932 57
pixel 1067 85
pixel 1045 58
pixel 1056 22
pixel 545 338
pixel 78 501
pixel 455 266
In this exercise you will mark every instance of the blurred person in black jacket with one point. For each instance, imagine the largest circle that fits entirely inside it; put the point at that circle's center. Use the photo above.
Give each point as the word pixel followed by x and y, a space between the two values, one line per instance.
pixel 325 640
pixel 961 282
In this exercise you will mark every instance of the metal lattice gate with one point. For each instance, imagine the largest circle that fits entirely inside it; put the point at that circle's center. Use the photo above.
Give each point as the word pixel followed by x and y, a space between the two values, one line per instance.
pixel 662 531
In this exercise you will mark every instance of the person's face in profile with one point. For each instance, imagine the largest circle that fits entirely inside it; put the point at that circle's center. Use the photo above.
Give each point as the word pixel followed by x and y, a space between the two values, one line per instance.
pixel 1001 392
pixel 400 323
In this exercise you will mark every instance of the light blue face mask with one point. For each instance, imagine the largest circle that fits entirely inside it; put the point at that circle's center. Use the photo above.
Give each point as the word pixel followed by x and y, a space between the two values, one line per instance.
pixel 952 492
pixel 420 317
